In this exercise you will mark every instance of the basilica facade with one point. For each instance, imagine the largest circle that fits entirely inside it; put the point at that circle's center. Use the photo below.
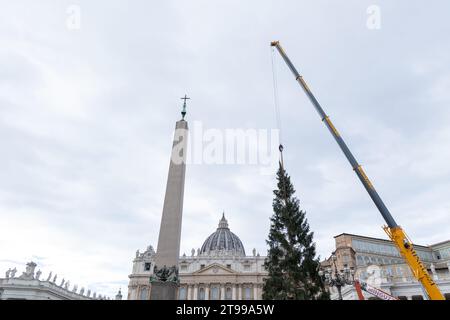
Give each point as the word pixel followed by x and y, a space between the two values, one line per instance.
pixel 219 270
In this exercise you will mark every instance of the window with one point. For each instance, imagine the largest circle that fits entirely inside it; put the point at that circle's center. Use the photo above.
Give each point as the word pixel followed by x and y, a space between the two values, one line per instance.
pixel 202 266
pixel 444 253
pixel 247 294
pixel 228 294
pixel 425 255
pixel 215 293
pixel 417 297
pixel 183 267
pixel 229 266
pixel 247 267
pixel 402 298
pixel 359 260
pixel 447 296
pixel 183 293
pixel 143 295
pixel 201 294
pixel 147 266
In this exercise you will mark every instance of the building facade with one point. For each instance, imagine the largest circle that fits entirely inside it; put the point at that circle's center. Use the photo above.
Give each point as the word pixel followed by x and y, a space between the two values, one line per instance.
pixel 219 270
pixel 30 286
pixel 378 262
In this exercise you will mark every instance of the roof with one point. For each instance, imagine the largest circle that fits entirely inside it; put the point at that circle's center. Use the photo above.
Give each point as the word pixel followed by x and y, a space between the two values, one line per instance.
pixel 440 243
pixel 223 240
pixel 377 239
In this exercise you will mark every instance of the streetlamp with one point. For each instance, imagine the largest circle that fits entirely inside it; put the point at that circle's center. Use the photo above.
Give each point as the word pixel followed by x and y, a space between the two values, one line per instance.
pixel 338 279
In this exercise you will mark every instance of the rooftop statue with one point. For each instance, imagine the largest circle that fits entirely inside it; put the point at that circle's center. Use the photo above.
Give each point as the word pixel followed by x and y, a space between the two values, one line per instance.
pixel 13 272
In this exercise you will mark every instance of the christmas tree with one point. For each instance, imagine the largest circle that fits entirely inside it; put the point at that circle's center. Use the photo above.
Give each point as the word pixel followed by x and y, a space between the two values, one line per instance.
pixel 291 261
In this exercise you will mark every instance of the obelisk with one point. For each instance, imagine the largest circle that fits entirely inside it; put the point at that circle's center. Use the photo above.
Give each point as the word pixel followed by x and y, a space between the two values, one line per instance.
pixel 164 281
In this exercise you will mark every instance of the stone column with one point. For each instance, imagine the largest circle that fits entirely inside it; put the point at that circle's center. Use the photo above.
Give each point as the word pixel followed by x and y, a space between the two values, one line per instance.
pixel 433 272
pixel 255 292
pixel 233 297
pixel 207 292
pixel 222 292
pixel 239 287
pixel 188 292
pixel 195 297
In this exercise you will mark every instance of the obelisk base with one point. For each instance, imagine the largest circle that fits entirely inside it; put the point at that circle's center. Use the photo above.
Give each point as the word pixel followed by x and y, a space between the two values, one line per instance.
pixel 163 290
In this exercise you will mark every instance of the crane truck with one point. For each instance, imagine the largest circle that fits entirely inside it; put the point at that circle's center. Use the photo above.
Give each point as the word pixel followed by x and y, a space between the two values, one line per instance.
pixel 393 230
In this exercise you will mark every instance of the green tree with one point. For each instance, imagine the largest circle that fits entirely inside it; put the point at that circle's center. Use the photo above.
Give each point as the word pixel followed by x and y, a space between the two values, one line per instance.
pixel 291 261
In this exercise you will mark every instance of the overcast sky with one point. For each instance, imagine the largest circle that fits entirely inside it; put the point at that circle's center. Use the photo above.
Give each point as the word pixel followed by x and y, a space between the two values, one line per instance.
pixel 87 116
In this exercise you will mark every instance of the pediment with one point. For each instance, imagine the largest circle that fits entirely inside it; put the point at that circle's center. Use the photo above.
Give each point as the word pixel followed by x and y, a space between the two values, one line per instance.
pixel 215 269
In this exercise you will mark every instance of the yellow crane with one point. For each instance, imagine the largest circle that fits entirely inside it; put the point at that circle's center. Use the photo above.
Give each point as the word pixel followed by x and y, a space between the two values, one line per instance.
pixel 393 230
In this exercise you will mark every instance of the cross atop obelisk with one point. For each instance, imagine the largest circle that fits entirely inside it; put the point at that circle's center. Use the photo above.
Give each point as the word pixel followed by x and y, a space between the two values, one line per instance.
pixel 183 112
pixel 164 281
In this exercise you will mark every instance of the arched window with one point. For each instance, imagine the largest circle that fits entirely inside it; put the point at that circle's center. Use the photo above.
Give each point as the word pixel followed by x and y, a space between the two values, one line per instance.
pixel 215 293
pixel 228 294
pixel 201 294
pixel 144 294
pixel 182 293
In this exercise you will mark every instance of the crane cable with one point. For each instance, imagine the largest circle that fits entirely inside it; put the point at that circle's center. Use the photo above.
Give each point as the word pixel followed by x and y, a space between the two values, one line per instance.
pixel 278 122
pixel 277 106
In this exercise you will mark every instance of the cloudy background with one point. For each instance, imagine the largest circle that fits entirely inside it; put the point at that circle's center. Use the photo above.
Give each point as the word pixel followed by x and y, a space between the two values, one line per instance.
pixel 87 116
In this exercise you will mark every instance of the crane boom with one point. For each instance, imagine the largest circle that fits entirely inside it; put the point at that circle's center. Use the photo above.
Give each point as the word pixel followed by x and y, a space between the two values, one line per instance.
pixel 393 230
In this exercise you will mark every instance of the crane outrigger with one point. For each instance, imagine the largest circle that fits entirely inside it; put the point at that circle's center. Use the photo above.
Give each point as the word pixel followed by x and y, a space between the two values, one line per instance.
pixel 393 230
